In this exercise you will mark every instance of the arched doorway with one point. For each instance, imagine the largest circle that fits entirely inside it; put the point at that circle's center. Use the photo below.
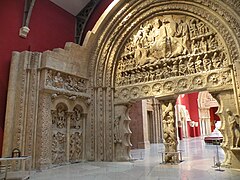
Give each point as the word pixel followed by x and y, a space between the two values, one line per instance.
pixel 160 49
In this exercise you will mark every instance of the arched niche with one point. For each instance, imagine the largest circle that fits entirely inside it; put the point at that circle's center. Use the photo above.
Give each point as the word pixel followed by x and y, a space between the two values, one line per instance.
pixel 114 30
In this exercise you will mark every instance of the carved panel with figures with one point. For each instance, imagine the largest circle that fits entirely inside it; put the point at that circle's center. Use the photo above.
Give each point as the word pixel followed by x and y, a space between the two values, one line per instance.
pixel 58 80
pixel 76 137
pixel 171 46
pixel 59 137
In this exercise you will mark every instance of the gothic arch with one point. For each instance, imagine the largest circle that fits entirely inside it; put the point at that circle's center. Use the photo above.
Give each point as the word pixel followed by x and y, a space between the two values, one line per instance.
pixel 111 34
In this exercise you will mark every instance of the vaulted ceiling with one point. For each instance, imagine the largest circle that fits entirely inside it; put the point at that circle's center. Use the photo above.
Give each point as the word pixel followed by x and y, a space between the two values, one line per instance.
pixel 71 6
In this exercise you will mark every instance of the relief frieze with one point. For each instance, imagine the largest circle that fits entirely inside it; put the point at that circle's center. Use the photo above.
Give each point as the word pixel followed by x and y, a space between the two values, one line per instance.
pixel 212 79
pixel 66 82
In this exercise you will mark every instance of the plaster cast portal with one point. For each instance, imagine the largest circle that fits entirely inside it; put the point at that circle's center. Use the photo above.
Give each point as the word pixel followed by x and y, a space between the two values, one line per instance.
pixel 167 55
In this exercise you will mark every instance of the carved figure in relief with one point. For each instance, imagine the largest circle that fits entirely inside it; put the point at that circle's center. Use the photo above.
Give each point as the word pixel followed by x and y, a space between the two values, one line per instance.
pixel 226 77
pixel 69 84
pixel 216 60
pixel 155 32
pixel 58 80
pixel 76 146
pixel 203 45
pixel 191 66
pixel 78 118
pixel 165 71
pixel 212 43
pixel 167 44
pixel 195 47
pixel 183 33
pixel 233 120
pixel 182 67
pixel 58 148
pixel 207 63
pixel 117 134
pixel 61 118
pixel 193 27
pixel 198 64
pixel 174 70
pixel 223 60
pixel 202 29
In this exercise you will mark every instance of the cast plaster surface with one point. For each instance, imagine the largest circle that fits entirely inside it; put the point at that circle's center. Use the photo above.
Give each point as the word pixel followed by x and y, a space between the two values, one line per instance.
pixel 139 49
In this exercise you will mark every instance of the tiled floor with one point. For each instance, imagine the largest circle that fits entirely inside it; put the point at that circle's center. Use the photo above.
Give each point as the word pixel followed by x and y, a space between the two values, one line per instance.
pixel 197 165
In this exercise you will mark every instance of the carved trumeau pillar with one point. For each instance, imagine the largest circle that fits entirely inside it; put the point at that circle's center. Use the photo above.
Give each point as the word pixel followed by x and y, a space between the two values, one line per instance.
pixel 229 128
pixel 122 132
pixel 169 126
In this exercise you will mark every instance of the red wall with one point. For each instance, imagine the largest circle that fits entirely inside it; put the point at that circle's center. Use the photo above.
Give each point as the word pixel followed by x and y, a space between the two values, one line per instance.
pixel 136 124
pixel 190 101
pixel 213 117
pixel 50 27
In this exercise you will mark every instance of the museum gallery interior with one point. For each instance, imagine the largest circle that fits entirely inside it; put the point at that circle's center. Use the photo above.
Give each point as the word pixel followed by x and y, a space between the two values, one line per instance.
pixel 122 84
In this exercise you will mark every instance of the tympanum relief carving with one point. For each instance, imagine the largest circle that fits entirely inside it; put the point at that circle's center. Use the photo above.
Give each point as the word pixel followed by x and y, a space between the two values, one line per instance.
pixel 167 49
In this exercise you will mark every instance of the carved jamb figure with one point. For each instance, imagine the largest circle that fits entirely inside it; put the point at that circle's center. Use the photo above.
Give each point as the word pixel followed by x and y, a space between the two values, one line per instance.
pixel 117 135
pixel 233 120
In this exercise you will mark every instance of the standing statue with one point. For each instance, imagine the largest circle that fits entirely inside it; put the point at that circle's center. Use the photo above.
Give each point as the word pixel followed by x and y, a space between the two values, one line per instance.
pixel 117 135
pixel 233 120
